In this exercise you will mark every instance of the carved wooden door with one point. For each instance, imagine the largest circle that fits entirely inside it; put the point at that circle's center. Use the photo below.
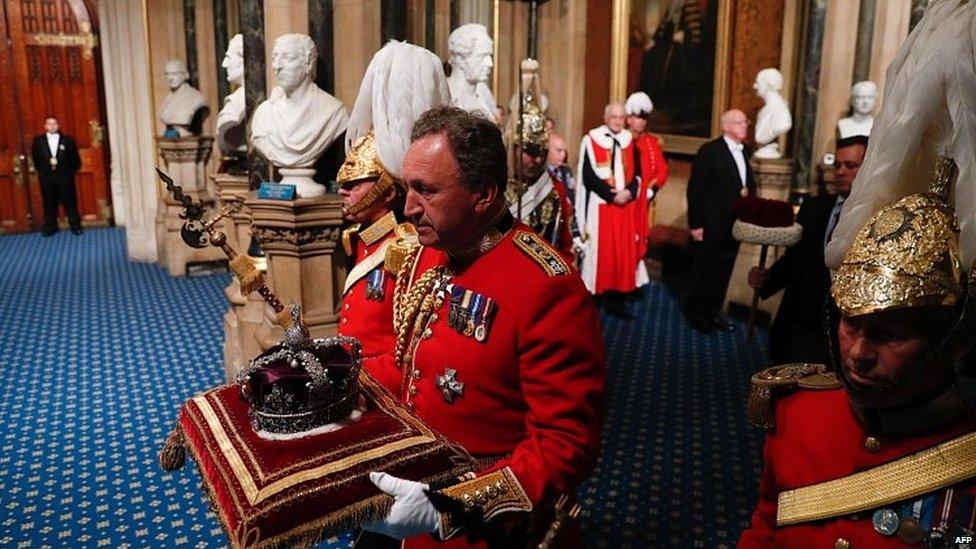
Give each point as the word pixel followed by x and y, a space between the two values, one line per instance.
pixel 14 209
pixel 54 59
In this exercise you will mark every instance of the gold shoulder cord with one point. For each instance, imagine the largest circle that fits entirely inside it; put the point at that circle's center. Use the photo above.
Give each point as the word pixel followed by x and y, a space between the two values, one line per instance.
pixel 413 304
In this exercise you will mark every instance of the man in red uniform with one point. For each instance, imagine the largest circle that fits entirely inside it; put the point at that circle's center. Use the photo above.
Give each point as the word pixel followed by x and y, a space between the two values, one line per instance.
pixel 535 197
pixel 654 168
pixel 499 346
pixel 609 180
pixel 401 82
pixel 882 453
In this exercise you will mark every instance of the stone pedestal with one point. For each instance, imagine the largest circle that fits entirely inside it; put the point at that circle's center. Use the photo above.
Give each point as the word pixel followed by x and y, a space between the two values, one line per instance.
pixel 245 314
pixel 773 180
pixel 300 239
pixel 186 160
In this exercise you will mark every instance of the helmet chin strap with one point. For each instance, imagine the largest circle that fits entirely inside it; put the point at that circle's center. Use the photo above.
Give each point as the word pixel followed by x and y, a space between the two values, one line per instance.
pixel 379 189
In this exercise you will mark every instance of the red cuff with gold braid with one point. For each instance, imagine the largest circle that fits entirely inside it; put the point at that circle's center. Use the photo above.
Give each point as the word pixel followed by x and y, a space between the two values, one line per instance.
pixel 271 493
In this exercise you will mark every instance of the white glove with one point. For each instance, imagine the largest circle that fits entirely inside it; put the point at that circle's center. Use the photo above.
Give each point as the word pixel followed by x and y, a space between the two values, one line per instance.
pixel 577 244
pixel 412 512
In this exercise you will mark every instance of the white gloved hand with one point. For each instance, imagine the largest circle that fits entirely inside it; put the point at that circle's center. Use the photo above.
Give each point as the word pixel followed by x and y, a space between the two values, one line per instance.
pixel 577 243
pixel 412 512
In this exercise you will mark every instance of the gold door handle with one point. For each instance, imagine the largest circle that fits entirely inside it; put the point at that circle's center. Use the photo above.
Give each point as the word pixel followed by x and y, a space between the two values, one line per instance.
pixel 97 133
pixel 18 161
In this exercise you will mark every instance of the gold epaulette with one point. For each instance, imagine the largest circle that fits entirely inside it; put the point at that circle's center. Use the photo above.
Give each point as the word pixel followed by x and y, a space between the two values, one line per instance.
pixel 539 251
pixel 778 381
pixel 660 140
pixel 402 247
pixel 485 497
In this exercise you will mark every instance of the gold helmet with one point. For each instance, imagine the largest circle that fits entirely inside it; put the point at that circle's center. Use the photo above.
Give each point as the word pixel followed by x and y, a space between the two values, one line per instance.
pixel 362 163
pixel 531 131
pixel 906 256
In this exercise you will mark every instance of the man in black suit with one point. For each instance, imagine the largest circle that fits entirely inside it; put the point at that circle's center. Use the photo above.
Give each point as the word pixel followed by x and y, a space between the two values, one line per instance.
pixel 720 174
pixel 797 333
pixel 56 159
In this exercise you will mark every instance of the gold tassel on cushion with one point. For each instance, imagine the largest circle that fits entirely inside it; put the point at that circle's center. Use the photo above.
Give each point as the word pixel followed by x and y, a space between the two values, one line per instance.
pixel 173 454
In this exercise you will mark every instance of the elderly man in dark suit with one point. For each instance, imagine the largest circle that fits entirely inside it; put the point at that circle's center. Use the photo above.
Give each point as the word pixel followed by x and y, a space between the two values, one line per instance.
pixel 720 174
pixel 797 333
pixel 56 159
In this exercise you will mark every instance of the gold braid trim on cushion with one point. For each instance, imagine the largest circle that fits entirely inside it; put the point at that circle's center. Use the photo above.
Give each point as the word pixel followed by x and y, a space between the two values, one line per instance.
pixel 931 469
pixel 486 496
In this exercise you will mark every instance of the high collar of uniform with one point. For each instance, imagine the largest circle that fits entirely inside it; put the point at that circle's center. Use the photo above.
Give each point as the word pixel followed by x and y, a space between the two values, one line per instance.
pixel 483 243
pixel 916 417
pixel 604 137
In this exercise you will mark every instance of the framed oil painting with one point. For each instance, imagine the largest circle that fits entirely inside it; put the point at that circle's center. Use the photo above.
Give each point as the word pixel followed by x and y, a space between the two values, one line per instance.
pixel 677 52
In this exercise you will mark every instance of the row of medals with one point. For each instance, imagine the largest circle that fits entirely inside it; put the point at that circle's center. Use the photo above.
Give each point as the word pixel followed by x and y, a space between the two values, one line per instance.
pixel 888 522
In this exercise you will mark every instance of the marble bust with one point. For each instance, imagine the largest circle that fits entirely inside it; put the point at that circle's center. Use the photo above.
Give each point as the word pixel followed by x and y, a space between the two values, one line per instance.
pixel 230 120
pixel 774 119
pixel 470 49
pixel 184 108
pixel 298 121
pixel 864 97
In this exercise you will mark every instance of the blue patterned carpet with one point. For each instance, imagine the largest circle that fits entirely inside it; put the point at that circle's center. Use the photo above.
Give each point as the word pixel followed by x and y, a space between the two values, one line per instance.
pixel 99 352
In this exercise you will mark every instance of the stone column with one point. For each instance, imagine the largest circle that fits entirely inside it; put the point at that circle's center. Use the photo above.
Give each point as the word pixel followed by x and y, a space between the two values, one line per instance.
pixel 300 239
pixel 185 159
pixel 773 179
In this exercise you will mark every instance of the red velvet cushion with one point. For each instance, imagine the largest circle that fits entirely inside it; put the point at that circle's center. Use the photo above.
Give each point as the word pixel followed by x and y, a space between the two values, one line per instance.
pixel 763 211
pixel 270 493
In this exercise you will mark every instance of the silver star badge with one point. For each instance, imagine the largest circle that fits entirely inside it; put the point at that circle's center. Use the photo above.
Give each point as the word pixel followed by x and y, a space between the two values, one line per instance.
pixel 450 387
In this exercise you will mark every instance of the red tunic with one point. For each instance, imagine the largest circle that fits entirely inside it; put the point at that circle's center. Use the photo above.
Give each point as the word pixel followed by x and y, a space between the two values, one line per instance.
pixel 371 320
pixel 654 174
pixel 818 438
pixel 533 390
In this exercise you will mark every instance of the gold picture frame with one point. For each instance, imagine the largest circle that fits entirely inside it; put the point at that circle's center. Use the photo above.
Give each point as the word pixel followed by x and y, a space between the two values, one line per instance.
pixel 675 143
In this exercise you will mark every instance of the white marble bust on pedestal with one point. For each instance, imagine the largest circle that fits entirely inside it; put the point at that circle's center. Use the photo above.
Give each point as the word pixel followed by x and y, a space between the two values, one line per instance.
pixel 470 50
pixel 230 120
pixel 299 120
pixel 864 97
pixel 180 108
pixel 774 119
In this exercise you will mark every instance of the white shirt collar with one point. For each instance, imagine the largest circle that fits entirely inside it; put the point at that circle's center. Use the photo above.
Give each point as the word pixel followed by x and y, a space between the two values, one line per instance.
pixel 733 146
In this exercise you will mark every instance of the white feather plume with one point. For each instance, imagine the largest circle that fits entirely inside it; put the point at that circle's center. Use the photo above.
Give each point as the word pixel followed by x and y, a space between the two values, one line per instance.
pixel 638 104
pixel 401 83
pixel 929 109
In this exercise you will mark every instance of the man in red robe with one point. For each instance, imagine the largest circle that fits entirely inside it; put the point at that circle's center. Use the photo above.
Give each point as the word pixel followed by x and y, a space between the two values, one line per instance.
pixel 654 168
pixel 609 179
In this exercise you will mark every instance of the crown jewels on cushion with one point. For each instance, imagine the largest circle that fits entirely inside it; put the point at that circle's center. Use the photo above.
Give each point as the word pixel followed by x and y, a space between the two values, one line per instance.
pixel 302 383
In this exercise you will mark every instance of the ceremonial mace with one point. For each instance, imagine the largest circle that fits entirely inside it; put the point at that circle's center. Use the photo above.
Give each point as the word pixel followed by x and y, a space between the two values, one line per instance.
pixel 765 223
pixel 198 232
